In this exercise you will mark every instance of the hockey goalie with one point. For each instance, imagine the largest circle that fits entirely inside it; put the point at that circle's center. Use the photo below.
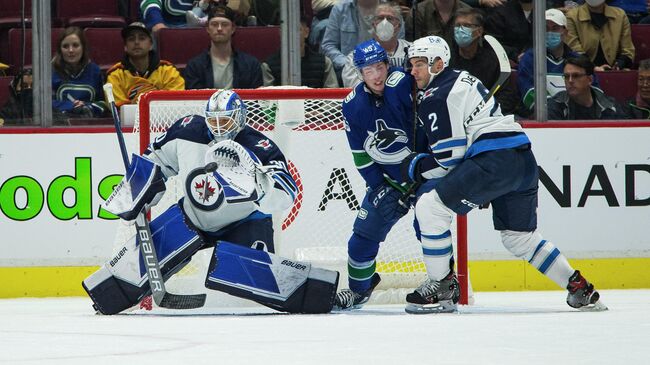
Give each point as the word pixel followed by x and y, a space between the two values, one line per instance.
pixel 233 178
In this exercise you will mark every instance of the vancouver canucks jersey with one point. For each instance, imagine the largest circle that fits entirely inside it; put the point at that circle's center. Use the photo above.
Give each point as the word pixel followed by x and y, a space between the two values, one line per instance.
pixel 461 123
pixel 171 12
pixel 85 86
pixel 380 129
pixel 180 152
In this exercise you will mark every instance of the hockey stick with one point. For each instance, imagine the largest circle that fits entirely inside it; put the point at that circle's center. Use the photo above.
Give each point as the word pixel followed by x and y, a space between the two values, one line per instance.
pixel 161 296
pixel 504 74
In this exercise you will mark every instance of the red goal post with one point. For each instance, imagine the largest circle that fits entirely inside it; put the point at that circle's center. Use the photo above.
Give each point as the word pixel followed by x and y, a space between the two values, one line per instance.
pixel 321 112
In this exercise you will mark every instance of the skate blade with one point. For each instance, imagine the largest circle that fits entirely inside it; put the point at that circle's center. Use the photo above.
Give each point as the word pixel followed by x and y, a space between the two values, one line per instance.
pixel 441 307
pixel 596 307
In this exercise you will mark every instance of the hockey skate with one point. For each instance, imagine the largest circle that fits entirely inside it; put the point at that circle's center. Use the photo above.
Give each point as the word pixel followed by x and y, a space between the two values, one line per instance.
pixel 347 299
pixel 435 296
pixel 582 294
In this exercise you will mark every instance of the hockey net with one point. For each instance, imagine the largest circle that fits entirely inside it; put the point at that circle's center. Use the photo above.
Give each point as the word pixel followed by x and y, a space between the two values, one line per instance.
pixel 307 124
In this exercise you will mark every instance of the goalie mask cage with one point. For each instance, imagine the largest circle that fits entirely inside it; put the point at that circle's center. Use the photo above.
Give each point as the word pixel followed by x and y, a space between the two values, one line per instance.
pixel 307 125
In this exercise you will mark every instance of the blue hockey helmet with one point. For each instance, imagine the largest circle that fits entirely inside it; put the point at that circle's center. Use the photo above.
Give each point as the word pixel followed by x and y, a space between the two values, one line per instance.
pixel 225 114
pixel 368 53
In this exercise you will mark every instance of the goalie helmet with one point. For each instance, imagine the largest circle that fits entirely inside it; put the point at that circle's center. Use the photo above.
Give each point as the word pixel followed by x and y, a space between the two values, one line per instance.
pixel 225 114
pixel 368 53
pixel 431 47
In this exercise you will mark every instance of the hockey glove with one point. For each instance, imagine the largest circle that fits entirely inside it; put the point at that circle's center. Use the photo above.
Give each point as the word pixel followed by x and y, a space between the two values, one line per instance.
pixel 419 167
pixel 386 200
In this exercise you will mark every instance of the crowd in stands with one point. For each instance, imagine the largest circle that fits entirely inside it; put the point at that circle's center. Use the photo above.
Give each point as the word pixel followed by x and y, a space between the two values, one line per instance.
pixel 591 47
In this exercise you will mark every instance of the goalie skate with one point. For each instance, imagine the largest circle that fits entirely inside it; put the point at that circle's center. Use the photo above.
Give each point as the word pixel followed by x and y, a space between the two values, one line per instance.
pixel 347 299
pixel 582 295
pixel 435 296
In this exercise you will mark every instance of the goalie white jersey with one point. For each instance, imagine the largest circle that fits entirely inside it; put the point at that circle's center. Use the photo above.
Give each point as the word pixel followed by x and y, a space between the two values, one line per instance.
pixel 213 200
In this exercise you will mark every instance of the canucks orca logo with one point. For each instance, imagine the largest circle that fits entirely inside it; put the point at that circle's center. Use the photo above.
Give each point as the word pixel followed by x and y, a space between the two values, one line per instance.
pixel 386 145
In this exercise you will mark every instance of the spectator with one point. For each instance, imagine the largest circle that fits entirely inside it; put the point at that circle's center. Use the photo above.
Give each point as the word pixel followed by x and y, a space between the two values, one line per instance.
pixel 634 9
pixel 485 3
pixel 141 70
pixel 386 25
pixel 76 81
pixel 581 101
pixel 316 70
pixel 322 10
pixel 602 32
pixel 19 107
pixel 470 52
pixel 158 14
pixel 3 69
pixel 646 20
pixel 436 17
pixel 349 24
pixel 198 16
pixel 640 105
pixel 220 66
pixel 511 25
pixel 556 53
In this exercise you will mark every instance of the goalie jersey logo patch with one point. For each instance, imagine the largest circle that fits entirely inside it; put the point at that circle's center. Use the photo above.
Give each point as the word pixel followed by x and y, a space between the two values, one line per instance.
pixel 203 190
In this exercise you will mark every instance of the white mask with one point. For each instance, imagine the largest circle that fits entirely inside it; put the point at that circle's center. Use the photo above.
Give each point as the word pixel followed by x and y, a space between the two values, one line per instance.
pixel 384 30
pixel 594 3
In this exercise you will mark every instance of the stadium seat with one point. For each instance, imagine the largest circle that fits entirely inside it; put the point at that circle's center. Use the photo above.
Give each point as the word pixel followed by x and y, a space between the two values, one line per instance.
pixel 621 85
pixel 90 13
pixel 14 46
pixel 13 8
pixel 641 40
pixel 4 89
pixel 260 42
pixel 105 45
pixel 179 45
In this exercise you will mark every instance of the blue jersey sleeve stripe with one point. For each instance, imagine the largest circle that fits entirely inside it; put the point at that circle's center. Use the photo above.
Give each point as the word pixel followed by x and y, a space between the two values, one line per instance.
pixel 497 144
pixel 449 144
pixel 450 163
pixel 285 187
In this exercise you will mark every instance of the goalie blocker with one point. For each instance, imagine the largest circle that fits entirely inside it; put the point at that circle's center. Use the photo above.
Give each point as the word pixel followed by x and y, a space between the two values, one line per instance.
pixel 271 280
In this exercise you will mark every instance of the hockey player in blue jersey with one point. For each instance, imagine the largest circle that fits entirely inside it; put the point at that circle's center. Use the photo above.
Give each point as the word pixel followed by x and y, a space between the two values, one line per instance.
pixel 379 124
pixel 233 178
pixel 477 156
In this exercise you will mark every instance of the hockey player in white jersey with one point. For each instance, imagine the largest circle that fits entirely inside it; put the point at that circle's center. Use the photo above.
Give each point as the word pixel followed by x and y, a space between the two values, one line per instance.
pixel 233 178
pixel 379 124
pixel 477 156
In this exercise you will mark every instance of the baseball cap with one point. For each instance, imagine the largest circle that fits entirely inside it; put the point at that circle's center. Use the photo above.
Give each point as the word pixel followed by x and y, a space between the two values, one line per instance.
pixel 133 27
pixel 556 16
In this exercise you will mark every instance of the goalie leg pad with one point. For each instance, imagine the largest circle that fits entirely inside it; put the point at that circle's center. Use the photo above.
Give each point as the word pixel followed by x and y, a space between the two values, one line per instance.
pixel 122 281
pixel 273 281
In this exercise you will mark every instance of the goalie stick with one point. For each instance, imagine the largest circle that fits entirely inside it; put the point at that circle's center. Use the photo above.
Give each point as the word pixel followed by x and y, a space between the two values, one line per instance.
pixel 161 296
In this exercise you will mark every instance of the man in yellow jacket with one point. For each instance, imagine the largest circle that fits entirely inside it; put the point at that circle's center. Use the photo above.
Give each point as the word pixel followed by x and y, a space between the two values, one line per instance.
pixel 603 33
pixel 141 70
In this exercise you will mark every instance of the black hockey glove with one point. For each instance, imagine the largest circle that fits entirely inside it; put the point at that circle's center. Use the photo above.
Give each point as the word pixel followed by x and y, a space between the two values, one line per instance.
pixel 386 200
pixel 410 168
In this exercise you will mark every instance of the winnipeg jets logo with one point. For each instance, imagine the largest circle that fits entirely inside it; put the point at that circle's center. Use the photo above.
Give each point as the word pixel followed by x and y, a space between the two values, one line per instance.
pixel 203 190
pixel 386 145
pixel 264 144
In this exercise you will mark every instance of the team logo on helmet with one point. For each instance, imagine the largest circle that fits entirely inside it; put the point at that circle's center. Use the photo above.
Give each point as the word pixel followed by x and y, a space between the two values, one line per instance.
pixel 386 145
pixel 204 191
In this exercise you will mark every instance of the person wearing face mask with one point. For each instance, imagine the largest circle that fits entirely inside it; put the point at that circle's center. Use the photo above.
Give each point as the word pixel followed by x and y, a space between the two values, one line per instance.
pixel 556 54
pixel 470 52
pixel 76 81
pixel 602 32
pixel 386 24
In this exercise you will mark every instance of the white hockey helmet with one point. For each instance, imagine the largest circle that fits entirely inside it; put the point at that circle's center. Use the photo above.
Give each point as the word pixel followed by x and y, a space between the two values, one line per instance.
pixel 225 114
pixel 432 48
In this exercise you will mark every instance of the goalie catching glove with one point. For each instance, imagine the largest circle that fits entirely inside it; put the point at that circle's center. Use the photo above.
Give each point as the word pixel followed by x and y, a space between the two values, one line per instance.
pixel 268 186
pixel 141 188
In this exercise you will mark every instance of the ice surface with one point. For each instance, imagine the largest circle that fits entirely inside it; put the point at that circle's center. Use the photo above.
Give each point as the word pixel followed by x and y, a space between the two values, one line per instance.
pixel 502 328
